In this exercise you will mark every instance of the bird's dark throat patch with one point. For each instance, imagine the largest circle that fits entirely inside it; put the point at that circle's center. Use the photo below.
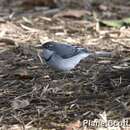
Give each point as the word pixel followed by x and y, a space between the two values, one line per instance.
pixel 47 59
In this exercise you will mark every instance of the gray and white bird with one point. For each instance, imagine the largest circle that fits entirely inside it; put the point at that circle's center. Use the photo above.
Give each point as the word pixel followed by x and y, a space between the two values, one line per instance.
pixel 65 57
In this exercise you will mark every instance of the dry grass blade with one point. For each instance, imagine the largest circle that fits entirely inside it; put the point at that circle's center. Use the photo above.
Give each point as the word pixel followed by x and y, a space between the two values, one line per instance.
pixel 28 28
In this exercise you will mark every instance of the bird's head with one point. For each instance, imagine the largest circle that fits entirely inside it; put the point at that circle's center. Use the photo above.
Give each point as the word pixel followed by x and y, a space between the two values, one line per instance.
pixel 47 54
pixel 48 45
pixel 45 50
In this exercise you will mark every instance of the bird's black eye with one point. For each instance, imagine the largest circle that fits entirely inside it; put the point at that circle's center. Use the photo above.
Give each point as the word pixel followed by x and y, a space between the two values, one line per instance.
pixel 46 46
pixel 49 46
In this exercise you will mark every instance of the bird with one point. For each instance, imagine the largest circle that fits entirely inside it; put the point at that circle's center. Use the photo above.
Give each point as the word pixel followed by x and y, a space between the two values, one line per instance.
pixel 64 56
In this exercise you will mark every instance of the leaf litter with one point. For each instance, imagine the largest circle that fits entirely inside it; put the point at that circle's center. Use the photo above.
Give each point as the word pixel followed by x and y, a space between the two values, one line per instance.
pixel 31 93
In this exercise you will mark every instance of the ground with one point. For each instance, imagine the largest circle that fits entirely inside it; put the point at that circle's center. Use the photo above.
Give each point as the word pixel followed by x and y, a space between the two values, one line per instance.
pixel 33 94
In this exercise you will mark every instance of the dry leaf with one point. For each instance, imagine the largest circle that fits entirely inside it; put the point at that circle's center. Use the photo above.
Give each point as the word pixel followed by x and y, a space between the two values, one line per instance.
pixel 22 74
pixel 17 104
pixel 74 126
pixel 31 3
pixel 26 20
pixel 72 13
pixel 8 41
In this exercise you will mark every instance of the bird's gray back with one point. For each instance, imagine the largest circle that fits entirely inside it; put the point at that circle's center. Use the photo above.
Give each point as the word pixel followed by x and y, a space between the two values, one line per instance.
pixel 66 50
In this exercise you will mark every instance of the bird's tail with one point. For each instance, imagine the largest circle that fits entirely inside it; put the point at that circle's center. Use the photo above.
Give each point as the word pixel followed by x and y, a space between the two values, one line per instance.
pixel 103 54
pixel 100 54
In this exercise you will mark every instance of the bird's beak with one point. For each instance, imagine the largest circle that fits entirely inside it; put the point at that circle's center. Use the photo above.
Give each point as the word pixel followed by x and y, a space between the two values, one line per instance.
pixel 39 46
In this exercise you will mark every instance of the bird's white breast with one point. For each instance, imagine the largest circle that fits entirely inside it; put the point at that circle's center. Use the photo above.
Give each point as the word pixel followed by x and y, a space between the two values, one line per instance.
pixel 66 64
